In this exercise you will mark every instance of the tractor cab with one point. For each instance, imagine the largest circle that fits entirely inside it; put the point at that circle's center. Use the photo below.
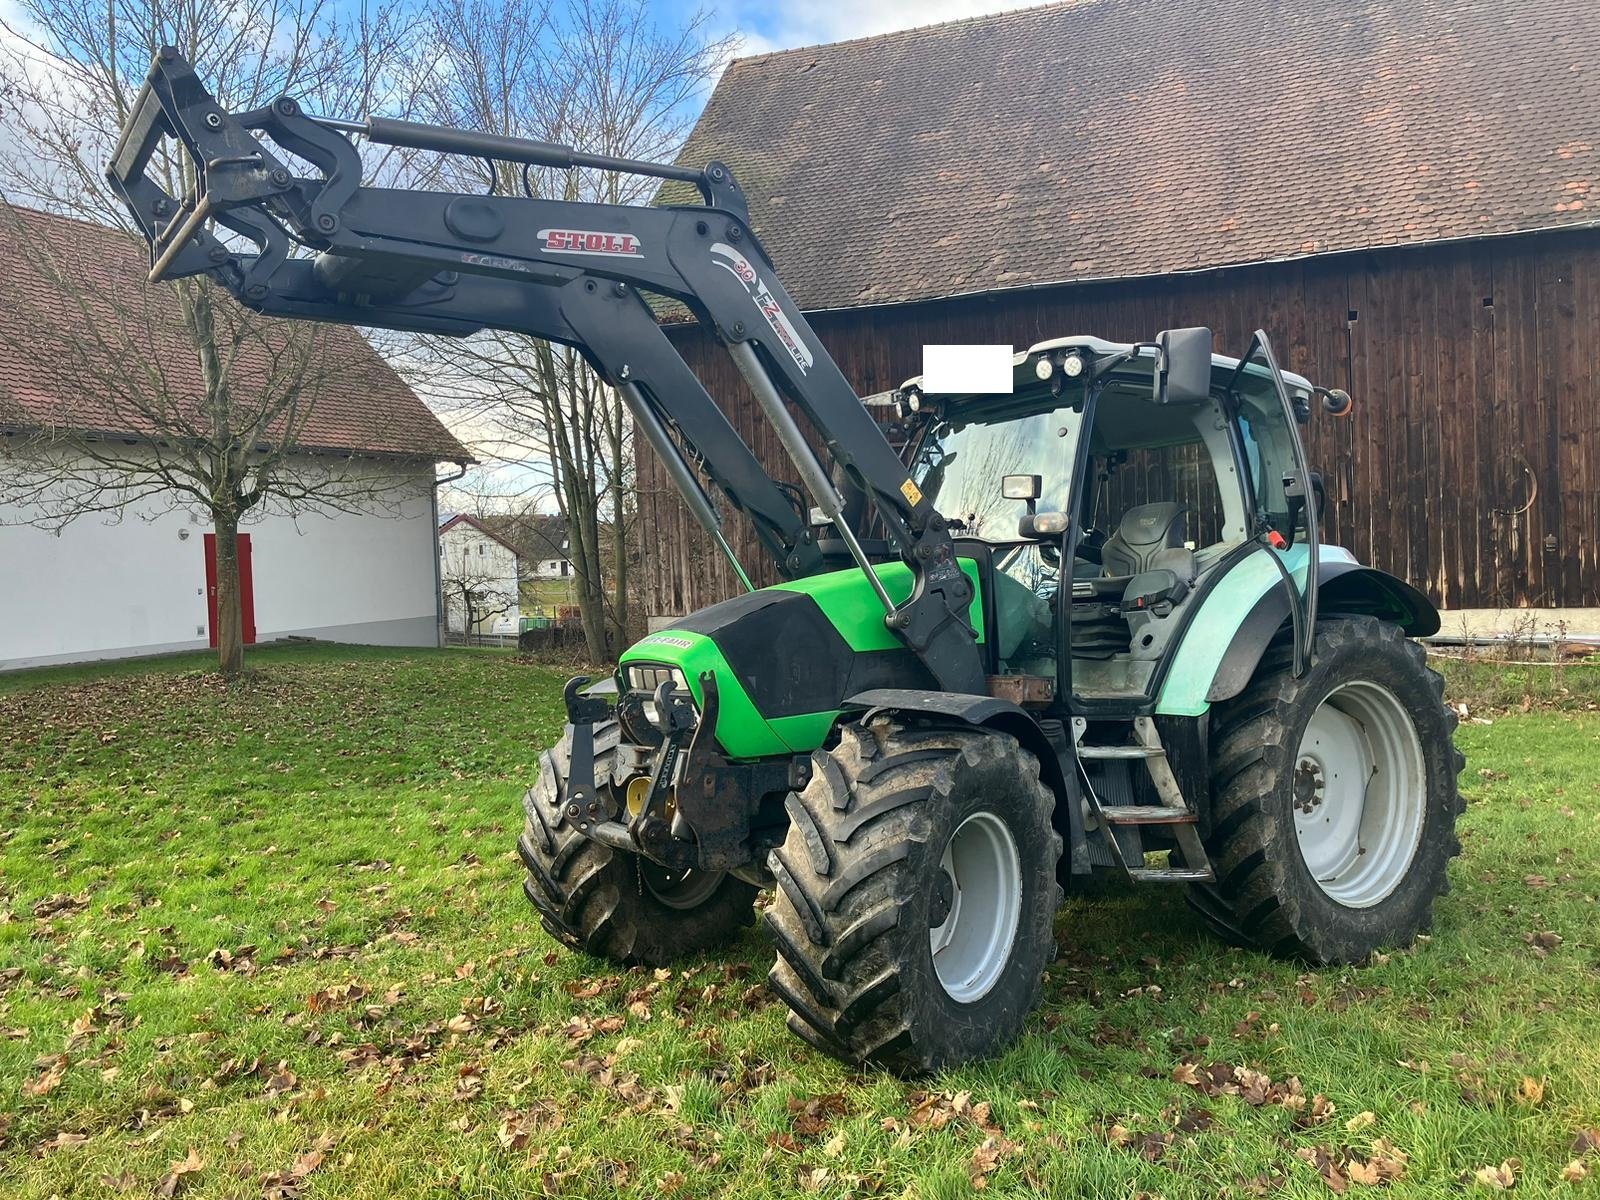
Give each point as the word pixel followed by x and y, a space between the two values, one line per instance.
pixel 1091 482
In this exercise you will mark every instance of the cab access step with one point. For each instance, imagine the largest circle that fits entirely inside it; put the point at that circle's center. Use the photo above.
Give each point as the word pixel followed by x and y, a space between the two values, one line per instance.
pixel 1173 813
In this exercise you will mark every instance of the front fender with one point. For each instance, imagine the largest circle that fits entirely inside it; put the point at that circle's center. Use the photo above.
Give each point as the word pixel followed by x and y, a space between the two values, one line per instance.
pixel 990 712
pixel 987 712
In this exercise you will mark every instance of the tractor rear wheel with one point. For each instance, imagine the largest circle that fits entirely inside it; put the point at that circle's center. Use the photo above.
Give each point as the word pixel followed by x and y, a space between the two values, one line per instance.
pixel 1334 798
pixel 610 903
pixel 916 895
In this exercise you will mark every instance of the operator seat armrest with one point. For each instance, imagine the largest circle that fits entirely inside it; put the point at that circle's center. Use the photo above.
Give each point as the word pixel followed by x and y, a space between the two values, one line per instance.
pixel 1101 587
pixel 1154 591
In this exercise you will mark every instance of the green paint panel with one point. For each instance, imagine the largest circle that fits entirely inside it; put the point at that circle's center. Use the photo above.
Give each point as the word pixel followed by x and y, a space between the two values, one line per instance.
pixel 853 608
pixel 741 730
pixel 847 600
pixel 1221 613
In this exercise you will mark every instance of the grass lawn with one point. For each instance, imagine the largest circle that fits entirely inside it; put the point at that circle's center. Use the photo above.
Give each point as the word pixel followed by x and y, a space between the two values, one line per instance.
pixel 270 942
pixel 545 596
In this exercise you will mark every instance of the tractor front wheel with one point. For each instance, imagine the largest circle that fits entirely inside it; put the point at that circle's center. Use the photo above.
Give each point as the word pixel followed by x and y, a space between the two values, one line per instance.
pixel 1334 798
pixel 916 896
pixel 609 903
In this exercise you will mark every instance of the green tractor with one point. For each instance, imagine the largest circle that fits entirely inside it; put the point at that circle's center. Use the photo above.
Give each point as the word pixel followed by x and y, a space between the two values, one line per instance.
pixel 1085 626
pixel 1161 684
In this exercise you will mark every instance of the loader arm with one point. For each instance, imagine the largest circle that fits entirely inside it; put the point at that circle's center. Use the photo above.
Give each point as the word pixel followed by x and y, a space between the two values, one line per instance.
pixel 329 248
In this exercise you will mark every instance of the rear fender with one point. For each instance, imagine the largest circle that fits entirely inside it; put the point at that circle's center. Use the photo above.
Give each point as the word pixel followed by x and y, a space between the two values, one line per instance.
pixel 1344 589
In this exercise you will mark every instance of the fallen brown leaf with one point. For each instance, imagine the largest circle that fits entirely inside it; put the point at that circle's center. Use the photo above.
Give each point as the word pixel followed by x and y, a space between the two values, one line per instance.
pixel 1323 1162
pixel 63 1141
pixel 281 1080
pixel 986 1157
pixel 177 1176
pixel 810 1117
pixel 52 1069
pixel 1500 1178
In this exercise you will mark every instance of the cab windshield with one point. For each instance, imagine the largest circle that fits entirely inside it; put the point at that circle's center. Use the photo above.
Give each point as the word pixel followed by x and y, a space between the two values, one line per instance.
pixel 961 460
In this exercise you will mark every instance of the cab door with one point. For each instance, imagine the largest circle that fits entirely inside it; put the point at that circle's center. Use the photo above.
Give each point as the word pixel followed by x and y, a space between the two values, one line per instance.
pixel 1280 492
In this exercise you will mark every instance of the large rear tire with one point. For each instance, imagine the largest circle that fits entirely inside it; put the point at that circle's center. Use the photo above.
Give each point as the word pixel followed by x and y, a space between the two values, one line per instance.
pixel 609 903
pixel 1334 798
pixel 916 896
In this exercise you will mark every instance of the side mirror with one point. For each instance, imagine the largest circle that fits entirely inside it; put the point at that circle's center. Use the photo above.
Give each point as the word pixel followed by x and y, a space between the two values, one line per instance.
pixel 1183 366
pixel 1021 487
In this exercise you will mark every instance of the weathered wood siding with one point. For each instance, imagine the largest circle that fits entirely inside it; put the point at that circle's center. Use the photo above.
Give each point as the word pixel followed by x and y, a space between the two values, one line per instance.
pixel 1471 465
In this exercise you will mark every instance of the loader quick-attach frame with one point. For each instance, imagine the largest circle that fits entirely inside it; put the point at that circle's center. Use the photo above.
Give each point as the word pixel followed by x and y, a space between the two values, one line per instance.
pixel 331 248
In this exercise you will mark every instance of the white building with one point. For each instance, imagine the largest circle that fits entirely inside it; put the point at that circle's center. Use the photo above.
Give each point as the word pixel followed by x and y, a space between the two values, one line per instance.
pixel 480 578
pixel 140 580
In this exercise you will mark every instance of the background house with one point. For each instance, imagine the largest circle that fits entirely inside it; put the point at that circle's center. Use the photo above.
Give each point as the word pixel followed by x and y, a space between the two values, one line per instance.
pixel 139 580
pixel 480 574
pixel 1403 193
pixel 548 585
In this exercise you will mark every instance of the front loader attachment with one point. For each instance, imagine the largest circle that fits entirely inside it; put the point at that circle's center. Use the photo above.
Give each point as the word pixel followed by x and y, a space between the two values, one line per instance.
pixel 328 247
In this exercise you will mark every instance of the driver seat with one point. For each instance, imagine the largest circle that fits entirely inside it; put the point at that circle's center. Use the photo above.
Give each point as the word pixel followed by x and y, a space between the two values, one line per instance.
pixel 1144 532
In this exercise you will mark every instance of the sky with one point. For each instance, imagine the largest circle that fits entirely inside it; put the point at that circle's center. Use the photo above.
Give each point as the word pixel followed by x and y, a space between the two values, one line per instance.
pixel 760 27
pixel 766 26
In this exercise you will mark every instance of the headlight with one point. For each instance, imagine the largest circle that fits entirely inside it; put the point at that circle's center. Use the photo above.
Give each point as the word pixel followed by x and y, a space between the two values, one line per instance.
pixel 1072 364
pixel 646 680
pixel 1044 367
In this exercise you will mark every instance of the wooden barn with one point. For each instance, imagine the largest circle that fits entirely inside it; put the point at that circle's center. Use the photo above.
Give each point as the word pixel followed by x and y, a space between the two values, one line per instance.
pixel 1402 193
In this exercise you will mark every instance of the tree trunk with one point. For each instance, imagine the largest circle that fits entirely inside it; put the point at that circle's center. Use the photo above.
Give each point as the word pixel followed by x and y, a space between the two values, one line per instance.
pixel 230 616
pixel 581 530
pixel 619 525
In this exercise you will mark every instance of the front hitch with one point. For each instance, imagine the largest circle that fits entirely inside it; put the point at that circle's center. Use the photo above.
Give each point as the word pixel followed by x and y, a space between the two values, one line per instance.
pixel 696 805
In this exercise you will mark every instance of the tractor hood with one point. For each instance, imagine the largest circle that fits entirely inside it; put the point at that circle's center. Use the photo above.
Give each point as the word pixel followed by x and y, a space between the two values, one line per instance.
pixel 786 658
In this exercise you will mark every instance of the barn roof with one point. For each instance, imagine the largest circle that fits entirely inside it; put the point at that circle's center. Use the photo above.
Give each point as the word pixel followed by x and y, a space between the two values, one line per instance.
pixel 68 351
pixel 1104 139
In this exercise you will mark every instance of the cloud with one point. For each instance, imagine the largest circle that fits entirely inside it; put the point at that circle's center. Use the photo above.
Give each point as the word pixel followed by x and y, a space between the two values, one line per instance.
pixel 809 22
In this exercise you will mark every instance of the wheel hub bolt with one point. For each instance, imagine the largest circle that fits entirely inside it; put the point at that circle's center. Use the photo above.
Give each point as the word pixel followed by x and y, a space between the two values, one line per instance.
pixel 1309 785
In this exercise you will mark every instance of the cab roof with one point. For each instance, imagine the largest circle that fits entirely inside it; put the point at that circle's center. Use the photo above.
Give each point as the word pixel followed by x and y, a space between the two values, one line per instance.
pixel 1221 364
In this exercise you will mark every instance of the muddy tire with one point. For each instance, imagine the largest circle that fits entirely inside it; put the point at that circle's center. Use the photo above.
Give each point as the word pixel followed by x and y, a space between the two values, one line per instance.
pixel 916 896
pixel 609 903
pixel 1334 798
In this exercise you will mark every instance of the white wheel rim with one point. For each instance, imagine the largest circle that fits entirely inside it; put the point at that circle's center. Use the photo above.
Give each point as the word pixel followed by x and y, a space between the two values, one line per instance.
pixel 972 945
pixel 1359 792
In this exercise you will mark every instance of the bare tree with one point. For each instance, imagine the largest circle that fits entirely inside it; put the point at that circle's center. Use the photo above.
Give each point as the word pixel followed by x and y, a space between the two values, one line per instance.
pixel 603 76
pixel 208 403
